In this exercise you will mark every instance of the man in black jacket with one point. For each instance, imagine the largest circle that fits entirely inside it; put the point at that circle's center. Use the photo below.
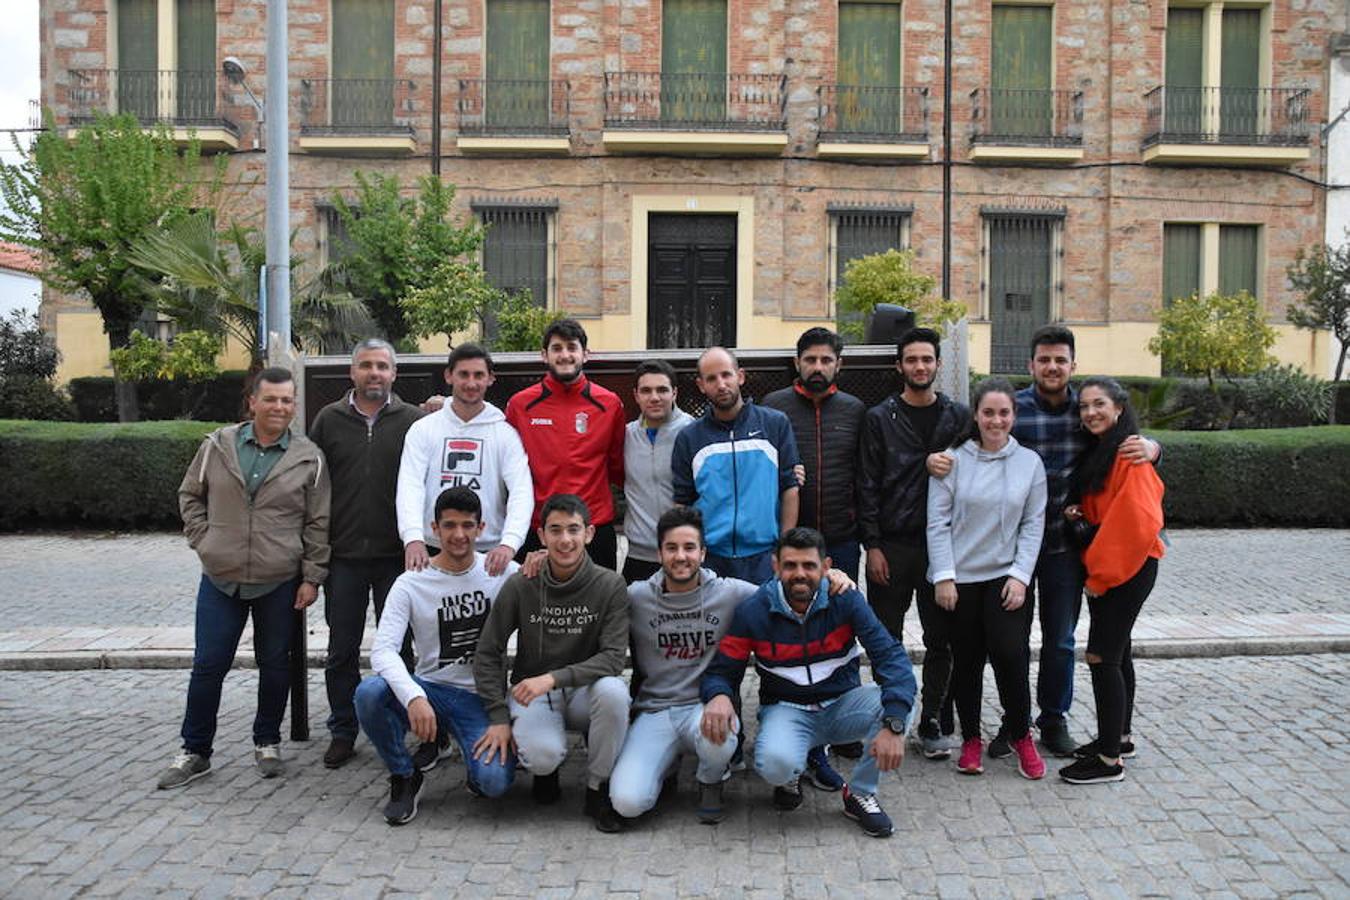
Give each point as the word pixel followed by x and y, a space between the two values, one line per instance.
pixel 902 442
pixel 362 437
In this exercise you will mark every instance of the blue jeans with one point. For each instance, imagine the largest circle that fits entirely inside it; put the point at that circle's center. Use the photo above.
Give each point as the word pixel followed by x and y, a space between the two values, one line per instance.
pixel 220 623
pixel 755 569
pixel 655 739
pixel 385 721
pixel 845 557
pixel 351 585
pixel 1058 586
pixel 787 732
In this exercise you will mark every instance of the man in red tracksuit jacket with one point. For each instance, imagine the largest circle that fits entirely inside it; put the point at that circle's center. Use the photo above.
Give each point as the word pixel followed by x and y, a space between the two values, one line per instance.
pixel 573 431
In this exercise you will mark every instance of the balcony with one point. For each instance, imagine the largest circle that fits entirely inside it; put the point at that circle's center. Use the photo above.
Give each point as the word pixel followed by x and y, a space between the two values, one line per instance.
pixel 514 116
pixel 877 122
pixel 185 103
pixel 1026 126
pixel 653 112
pixel 1229 126
pixel 357 116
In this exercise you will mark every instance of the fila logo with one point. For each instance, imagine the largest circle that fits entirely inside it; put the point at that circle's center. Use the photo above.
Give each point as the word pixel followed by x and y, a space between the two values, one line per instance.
pixel 461 457
pixel 541 421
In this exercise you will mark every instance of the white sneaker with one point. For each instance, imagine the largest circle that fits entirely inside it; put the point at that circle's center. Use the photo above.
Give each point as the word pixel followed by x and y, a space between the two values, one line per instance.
pixel 268 759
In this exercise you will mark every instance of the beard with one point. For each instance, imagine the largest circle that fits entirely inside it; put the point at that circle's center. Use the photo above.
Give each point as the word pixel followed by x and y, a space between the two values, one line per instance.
pixel 918 385
pixel 567 378
pixel 817 383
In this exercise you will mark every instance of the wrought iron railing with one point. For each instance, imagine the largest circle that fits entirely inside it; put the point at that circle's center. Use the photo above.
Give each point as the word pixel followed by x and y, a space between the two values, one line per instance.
pixel 1025 117
pixel 714 102
pixel 183 99
pixel 513 107
pixel 356 106
pixel 1224 115
pixel 864 113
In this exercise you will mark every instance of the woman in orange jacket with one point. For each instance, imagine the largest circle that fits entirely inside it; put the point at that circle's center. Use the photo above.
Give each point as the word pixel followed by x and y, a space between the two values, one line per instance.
pixel 1116 508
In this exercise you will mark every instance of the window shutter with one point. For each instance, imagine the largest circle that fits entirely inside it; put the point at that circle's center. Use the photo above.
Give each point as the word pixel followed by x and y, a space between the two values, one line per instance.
pixel 693 60
pixel 1184 71
pixel 196 79
pixel 138 59
pixel 1238 247
pixel 869 67
pixel 1181 261
pixel 1240 72
pixel 363 62
pixel 1020 56
pixel 517 93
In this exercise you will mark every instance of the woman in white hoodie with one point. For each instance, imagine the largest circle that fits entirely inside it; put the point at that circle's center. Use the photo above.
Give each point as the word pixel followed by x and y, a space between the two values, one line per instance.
pixel 985 522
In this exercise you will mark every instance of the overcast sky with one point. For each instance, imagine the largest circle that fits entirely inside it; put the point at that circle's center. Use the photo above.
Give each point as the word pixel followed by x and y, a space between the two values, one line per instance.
pixel 18 66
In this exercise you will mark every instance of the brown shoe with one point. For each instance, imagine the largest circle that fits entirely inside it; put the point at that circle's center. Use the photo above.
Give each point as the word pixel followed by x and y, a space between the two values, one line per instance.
pixel 339 752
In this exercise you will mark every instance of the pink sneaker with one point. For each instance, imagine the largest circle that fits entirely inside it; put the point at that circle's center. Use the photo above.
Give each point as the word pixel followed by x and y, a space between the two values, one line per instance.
pixel 1029 762
pixel 971 752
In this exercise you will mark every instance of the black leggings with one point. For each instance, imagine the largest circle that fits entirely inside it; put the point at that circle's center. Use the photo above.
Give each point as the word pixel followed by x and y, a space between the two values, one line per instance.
pixel 1113 615
pixel 982 630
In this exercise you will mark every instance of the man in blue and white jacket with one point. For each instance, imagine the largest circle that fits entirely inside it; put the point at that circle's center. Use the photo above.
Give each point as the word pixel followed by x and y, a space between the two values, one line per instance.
pixel 805 645
pixel 736 465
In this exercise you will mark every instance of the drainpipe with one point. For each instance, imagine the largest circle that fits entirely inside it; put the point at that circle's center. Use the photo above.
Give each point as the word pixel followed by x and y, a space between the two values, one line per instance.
pixel 436 90
pixel 947 150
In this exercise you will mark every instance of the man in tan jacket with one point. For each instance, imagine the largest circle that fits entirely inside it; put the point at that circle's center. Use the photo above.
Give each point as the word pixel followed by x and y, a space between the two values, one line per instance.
pixel 254 504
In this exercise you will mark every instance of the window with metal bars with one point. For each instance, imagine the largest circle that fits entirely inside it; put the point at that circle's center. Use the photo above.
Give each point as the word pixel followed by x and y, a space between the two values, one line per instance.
pixel 858 232
pixel 1023 281
pixel 337 245
pixel 516 248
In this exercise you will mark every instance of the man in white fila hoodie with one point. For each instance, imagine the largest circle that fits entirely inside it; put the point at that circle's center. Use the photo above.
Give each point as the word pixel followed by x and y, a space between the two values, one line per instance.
pixel 466 443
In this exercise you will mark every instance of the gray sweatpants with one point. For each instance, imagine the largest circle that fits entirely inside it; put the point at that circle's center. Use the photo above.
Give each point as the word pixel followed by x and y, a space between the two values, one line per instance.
pixel 600 710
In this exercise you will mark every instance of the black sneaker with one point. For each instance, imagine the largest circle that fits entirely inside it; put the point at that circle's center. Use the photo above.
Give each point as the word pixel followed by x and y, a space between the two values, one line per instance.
pixel 339 753
pixel 1092 748
pixel 1092 771
pixel 428 754
pixel 546 789
pixel 598 807
pixel 788 797
pixel 820 773
pixel 1055 739
pixel 403 793
pixel 1000 747
pixel 867 812
pixel 710 808
pixel 851 750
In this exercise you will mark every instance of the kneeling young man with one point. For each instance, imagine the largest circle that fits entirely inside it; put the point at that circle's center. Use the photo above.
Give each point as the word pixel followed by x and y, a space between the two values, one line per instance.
pixel 445 604
pixel 805 645
pixel 571 627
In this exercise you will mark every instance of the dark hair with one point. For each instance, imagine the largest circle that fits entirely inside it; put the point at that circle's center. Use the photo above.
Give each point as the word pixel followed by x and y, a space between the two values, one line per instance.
pixel 567 329
pixel 1095 465
pixel 271 375
pixel 568 504
pixel 801 538
pixel 469 351
pixel 1052 334
pixel 919 336
pixel 992 385
pixel 679 517
pixel 654 367
pixel 460 499
pixel 815 337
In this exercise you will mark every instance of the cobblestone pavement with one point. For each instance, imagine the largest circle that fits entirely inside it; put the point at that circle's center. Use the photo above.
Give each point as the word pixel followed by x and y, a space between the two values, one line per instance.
pixel 1240 789
pixel 151 579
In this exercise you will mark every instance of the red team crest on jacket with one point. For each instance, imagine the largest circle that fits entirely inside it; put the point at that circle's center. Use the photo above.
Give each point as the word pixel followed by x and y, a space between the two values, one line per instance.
pixel 461 462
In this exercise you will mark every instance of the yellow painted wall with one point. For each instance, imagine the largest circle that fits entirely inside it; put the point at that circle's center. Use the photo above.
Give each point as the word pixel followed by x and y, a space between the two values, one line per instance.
pixel 1309 350
pixel 82 344
pixel 1120 348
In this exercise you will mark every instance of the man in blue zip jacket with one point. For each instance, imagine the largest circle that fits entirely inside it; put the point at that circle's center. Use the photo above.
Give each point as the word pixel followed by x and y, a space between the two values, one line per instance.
pixel 735 465
pixel 805 645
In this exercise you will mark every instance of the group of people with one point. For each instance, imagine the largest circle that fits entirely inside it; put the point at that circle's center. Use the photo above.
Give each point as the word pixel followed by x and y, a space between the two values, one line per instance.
pixel 472 529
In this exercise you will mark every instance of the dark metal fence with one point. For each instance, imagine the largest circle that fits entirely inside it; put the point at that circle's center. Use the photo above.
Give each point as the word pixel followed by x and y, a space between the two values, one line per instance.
pixel 184 99
pixel 858 112
pixel 1222 115
pixel 344 106
pixel 717 101
pixel 1032 118
pixel 513 107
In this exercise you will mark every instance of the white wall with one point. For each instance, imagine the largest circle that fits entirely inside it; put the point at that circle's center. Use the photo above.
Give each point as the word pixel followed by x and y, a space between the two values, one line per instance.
pixel 1338 165
pixel 18 292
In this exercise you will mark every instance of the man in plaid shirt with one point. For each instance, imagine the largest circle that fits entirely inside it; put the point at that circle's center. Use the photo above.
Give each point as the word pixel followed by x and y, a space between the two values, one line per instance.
pixel 1047 422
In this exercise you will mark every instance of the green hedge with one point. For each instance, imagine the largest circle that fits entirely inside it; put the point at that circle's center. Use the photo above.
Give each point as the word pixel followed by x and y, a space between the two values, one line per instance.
pixel 220 399
pixel 93 474
pixel 126 476
pixel 1285 476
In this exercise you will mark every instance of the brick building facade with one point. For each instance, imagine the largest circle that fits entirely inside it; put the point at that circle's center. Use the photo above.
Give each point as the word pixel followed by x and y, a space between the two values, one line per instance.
pixel 689 171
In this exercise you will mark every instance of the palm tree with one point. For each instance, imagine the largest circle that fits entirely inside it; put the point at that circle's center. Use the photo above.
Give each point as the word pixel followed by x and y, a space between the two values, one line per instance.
pixel 209 280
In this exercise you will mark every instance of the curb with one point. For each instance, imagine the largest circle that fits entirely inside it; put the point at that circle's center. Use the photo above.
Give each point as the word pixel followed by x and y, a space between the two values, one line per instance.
pixel 1158 648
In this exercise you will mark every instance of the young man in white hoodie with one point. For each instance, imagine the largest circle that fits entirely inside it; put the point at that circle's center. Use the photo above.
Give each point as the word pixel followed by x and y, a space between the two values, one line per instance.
pixel 445 604
pixel 466 443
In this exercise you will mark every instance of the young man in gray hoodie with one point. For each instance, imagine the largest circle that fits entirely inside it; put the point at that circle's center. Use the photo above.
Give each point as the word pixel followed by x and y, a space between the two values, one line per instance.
pixel 571 628
pixel 648 483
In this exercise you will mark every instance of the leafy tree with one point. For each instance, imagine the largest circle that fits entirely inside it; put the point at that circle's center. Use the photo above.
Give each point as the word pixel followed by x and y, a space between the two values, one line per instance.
pixel 399 244
pixel 28 359
pixel 521 322
pixel 890 277
pixel 83 201
pixel 191 356
pixel 209 283
pixel 1218 334
pixel 1322 276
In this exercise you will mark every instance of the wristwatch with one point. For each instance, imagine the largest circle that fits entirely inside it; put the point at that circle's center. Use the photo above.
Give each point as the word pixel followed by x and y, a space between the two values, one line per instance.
pixel 894 723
